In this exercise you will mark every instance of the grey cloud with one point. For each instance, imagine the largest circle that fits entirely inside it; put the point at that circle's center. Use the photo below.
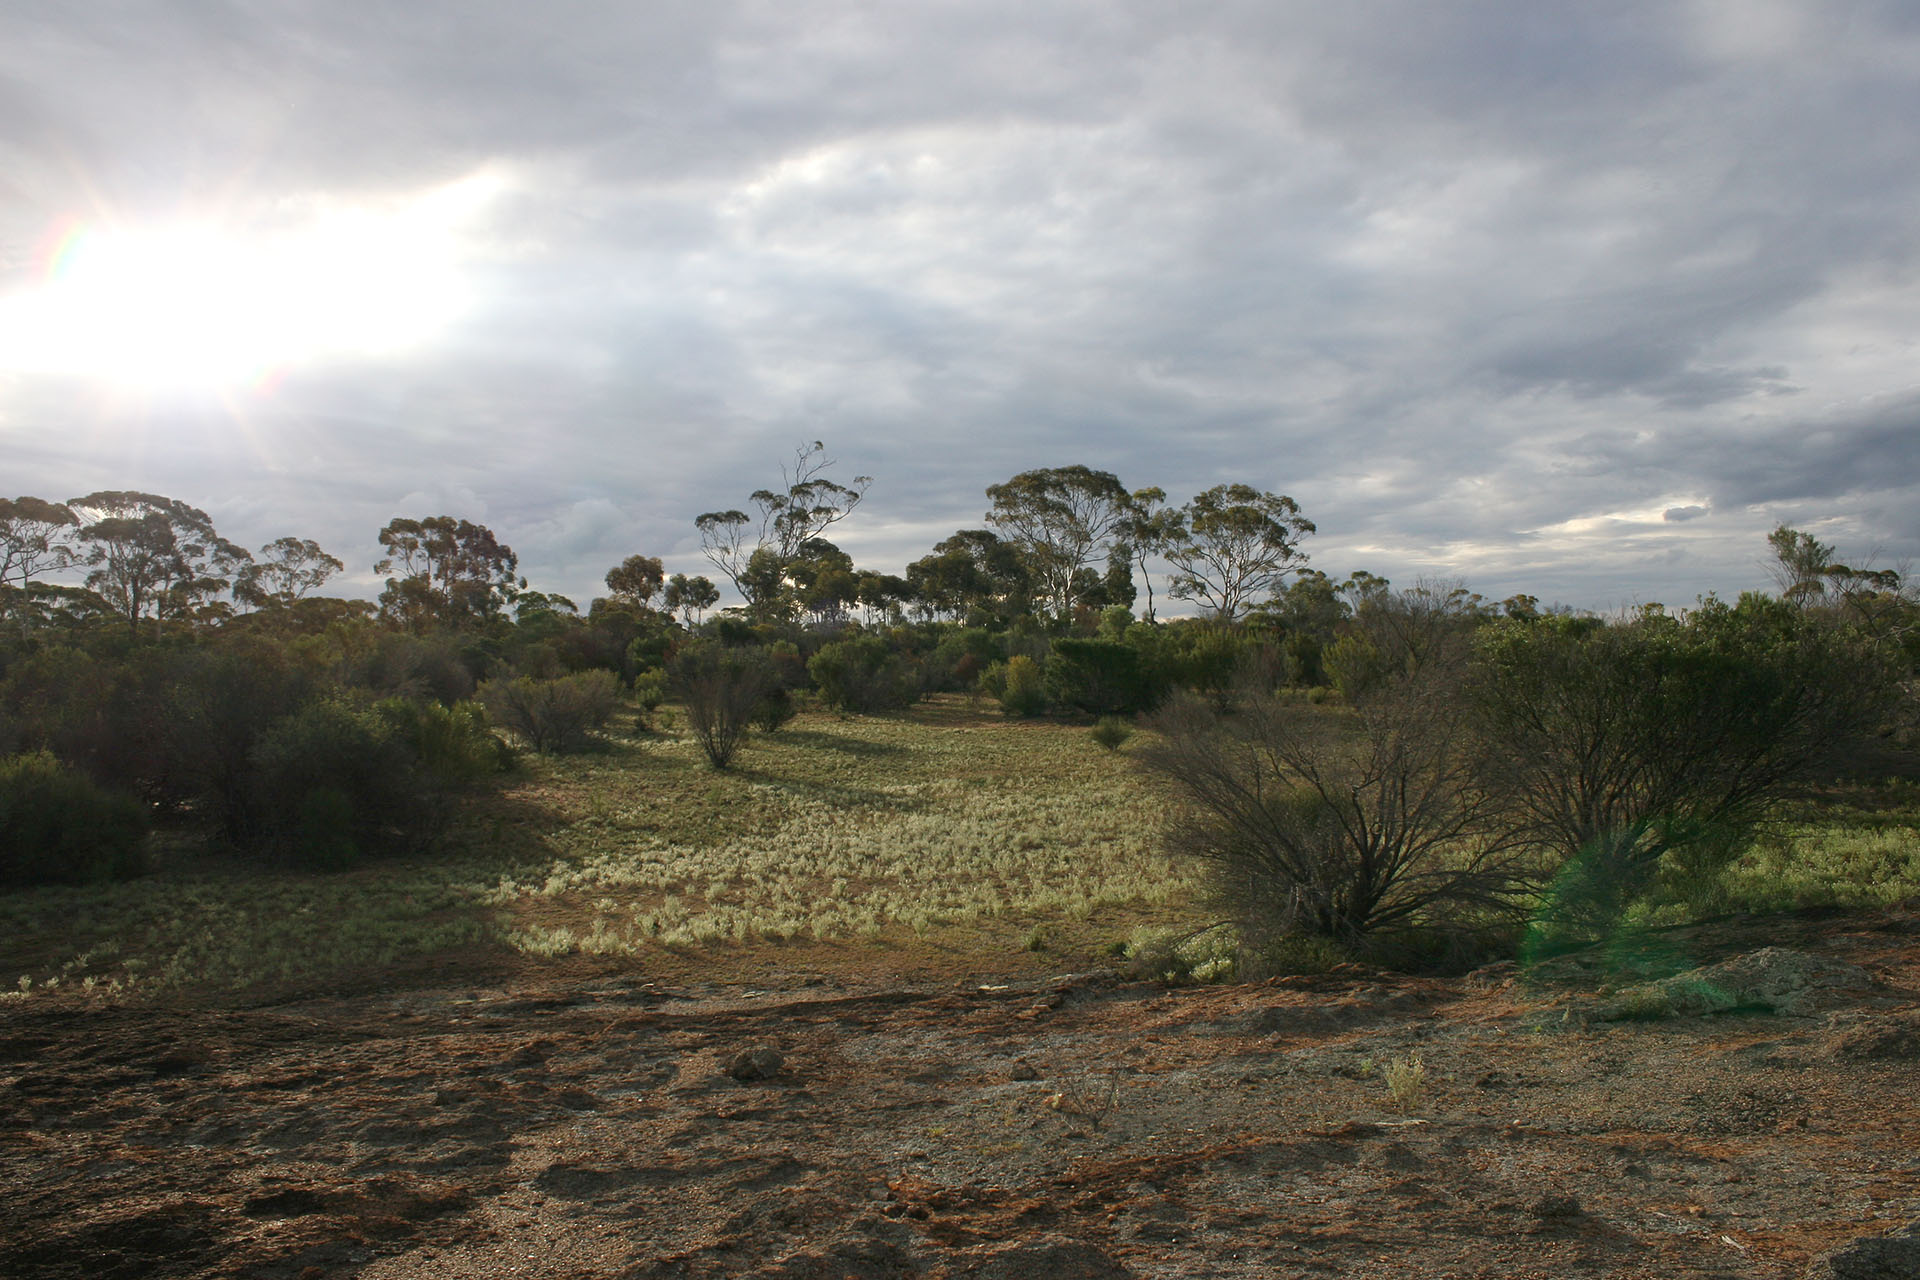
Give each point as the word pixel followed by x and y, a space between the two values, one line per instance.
pixel 1453 276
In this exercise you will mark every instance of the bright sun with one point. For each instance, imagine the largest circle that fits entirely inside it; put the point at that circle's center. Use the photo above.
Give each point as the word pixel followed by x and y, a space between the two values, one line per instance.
pixel 200 306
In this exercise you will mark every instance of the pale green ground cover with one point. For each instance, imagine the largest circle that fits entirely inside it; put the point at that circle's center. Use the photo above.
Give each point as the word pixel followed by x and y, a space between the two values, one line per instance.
pixel 948 826
pixel 862 832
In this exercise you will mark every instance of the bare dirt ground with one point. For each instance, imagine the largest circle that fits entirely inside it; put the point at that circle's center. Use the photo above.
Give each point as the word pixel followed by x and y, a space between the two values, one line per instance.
pixel 1077 1127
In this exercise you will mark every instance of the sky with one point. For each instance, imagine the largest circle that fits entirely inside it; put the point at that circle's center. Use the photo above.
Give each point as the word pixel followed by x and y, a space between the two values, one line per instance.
pixel 1572 300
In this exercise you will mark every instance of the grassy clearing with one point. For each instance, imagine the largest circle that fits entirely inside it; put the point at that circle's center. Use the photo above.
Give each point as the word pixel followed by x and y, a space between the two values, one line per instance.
pixel 948 828
pixel 945 839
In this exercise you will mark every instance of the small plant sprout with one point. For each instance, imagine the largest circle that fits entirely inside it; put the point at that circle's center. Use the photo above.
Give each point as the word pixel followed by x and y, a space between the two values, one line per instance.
pixel 1092 1100
pixel 1406 1081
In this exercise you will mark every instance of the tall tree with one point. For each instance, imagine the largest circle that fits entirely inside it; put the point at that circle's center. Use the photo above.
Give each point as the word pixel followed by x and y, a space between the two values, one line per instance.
pixel 972 570
pixel 288 568
pixel 1232 544
pixel 35 538
pixel 805 506
pixel 152 555
pixel 445 571
pixel 689 597
pixel 636 579
pixel 1146 528
pixel 1063 519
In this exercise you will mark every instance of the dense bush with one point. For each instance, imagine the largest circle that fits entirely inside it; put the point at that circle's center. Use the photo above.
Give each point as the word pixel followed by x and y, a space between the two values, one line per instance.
pixel 1655 747
pixel 1018 685
pixel 1097 677
pixel 452 747
pixel 335 784
pixel 553 715
pixel 57 826
pixel 863 675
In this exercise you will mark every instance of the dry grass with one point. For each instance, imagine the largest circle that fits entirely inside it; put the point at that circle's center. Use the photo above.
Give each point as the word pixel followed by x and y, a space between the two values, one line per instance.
pixel 871 843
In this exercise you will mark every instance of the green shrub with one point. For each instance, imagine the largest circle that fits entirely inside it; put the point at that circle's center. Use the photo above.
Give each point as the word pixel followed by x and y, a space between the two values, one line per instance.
pixel 1111 732
pixel 555 715
pixel 1023 690
pixel 1099 677
pixel 452 746
pixel 57 826
pixel 776 708
pixel 335 784
pixel 863 675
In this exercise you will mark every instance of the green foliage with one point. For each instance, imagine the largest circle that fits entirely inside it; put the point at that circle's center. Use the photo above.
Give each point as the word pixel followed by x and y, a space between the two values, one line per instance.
pixel 650 689
pixel 1354 665
pixel 863 675
pixel 1098 677
pixel 336 784
pixel 1021 684
pixel 57 826
pixel 1111 732
pixel 554 715
pixel 1658 743
pixel 451 746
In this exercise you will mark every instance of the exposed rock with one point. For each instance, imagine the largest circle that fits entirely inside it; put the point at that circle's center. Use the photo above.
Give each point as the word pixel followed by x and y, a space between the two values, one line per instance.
pixel 1894 1257
pixel 758 1063
pixel 1889 1038
pixel 1773 980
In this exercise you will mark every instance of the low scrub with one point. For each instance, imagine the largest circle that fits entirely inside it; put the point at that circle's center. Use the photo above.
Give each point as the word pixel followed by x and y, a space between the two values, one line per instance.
pixel 556 715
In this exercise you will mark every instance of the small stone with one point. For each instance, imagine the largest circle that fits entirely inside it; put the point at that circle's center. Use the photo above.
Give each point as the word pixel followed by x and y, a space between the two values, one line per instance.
pixel 758 1063
pixel 1552 1208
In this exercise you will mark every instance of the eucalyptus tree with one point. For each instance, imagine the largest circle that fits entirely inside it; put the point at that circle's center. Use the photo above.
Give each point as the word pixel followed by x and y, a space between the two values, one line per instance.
pixel 153 555
pixel 36 537
pixel 754 551
pixel 286 570
pixel 1231 545
pixel 972 570
pixel 1063 520
pixel 1147 526
pixel 689 597
pixel 637 579
pixel 444 571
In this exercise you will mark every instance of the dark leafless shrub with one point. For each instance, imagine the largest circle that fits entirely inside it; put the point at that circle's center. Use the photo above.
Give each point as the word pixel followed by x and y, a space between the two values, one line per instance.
pixel 1337 832
pixel 723 688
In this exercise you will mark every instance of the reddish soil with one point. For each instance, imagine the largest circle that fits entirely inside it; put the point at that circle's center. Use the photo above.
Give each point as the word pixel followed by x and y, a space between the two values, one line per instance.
pixel 1079 1127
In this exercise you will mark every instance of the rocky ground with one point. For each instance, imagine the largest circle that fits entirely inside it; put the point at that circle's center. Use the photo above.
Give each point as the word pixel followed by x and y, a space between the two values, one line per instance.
pixel 1741 1120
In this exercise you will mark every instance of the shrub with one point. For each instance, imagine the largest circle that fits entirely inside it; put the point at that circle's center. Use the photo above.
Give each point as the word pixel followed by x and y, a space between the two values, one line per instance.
pixel 1658 746
pixel 722 687
pixel 1111 732
pixel 862 675
pixel 57 826
pixel 1022 686
pixel 553 715
pixel 452 746
pixel 336 784
pixel 1099 677
pixel 1337 835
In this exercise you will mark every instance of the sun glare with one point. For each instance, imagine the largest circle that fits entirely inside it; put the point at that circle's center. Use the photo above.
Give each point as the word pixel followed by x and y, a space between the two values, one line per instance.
pixel 201 305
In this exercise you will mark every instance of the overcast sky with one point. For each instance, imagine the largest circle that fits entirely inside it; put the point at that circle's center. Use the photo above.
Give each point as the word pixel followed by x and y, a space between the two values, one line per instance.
pixel 1577 300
